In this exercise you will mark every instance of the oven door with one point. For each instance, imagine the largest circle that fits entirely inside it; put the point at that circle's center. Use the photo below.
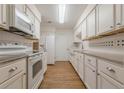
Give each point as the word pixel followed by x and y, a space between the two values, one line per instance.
pixel 35 71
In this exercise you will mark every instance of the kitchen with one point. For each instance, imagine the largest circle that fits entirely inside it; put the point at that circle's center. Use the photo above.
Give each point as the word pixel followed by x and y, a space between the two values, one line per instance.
pixel 49 46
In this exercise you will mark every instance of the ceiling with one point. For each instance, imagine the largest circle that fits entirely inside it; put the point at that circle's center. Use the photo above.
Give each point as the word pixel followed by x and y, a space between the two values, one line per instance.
pixel 49 14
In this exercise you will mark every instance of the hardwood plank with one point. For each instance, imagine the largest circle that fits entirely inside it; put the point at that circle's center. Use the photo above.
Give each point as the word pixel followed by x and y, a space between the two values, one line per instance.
pixel 61 76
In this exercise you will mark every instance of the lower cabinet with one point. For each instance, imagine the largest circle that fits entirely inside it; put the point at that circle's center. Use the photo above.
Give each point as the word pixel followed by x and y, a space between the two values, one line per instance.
pixel 110 76
pixel 98 73
pixel 76 61
pixel 13 74
pixel 106 82
pixel 16 82
pixel 90 77
pixel 81 67
pixel 90 72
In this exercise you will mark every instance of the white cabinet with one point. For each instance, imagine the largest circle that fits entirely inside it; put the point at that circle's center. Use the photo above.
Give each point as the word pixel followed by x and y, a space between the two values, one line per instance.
pixel 105 20
pixel 91 24
pixel 78 64
pixel 122 6
pixel 76 61
pixel 37 29
pixel 16 82
pixel 81 67
pixel 4 16
pixel 30 14
pixel 106 82
pixel 110 75
pixel 119 15
pixel 77 34
pixel 0 14
pixel 20 7
pixel 90 77
pixel 13 74
pixel 72 58
pixel 83 31
pixel 90 72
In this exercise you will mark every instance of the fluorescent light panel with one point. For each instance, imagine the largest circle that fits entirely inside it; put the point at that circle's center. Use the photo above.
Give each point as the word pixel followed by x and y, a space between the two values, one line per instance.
pixel 61 13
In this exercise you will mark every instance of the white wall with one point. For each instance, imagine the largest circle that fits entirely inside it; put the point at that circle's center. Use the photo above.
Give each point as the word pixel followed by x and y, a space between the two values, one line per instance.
pixel 63 41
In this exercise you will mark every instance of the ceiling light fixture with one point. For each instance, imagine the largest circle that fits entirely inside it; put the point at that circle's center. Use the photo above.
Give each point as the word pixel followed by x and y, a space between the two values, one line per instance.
pixel 61 13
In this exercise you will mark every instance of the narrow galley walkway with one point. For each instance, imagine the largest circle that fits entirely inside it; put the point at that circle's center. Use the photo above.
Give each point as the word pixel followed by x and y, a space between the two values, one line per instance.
pixel 61 76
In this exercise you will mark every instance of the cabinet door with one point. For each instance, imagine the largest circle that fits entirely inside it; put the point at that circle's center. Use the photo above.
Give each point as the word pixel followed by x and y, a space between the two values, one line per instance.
pixel 0 14
pixel 16 82
pixel 37 28
pixel 106 82
pixel 122 14
pixel 105 18
pixel 77 34
pixel 118 15
pixel 81 67
pixel 91 24
pixel 90 77
pixel 30 15
pixel 20 7
pixel 83 31
pixel 4 15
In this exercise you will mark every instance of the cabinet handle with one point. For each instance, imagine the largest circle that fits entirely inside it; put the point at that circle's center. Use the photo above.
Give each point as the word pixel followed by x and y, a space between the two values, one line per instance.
pixel 4 22
pixel 110 69
pixel 118 23
pixel 98 74
pixel 111 26
pixel 13 69
pixel 89 60
pixel 93 70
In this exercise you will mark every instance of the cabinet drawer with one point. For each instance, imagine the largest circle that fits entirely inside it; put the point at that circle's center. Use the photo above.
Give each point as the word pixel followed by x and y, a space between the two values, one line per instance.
pixel 90 60
pixel 106 82
pixel 10 70
pixel 116 72
pixel 16 82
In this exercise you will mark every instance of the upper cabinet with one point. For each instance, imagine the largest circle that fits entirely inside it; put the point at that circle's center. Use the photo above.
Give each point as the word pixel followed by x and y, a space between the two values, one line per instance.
pixel 37 28
pixel 35 17
pixel 21 7
pixel 91 26
pixel 119 16
pixel 23 20
pixel 83 31
pixel 30 14
pixel 3 16
pixel 105 18
pixel 122 7
pixel 77 34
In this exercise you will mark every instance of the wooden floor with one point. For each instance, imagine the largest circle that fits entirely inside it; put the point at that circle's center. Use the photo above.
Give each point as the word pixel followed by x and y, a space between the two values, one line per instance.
pixel 61 75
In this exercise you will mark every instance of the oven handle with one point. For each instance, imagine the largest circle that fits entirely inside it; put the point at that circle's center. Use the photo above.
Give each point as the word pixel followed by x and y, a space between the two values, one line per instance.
pixel 32 61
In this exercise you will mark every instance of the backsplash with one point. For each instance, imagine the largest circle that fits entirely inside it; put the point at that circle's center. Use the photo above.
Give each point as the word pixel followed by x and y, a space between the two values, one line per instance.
pixel 113 43
pixel 7 37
